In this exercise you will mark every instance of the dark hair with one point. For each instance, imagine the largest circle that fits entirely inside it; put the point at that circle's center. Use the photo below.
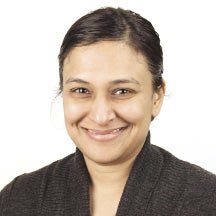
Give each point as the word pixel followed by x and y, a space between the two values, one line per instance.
pixel 116 25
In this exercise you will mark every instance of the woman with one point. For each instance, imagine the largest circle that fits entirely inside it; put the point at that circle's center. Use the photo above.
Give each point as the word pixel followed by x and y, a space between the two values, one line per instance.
pixel 111 67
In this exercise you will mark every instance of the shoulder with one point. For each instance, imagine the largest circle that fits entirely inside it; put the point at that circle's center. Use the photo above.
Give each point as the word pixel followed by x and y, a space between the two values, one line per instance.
pixel 25 190
pixel 200 191
pixel 191 172
pixel 197 186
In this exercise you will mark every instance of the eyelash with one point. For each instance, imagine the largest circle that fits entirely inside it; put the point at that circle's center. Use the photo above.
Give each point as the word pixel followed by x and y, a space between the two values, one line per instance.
pixel 120 93
pixel 80 91
pixel 123 91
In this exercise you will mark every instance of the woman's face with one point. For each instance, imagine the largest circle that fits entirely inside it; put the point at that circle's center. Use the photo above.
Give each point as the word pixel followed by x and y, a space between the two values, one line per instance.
pixel 108 101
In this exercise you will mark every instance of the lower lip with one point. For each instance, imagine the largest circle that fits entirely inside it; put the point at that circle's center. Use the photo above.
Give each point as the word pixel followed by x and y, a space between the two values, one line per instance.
pixel 104 137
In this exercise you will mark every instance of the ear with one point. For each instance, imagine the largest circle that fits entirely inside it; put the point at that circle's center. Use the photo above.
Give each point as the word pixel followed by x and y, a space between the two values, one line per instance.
pixel 158 97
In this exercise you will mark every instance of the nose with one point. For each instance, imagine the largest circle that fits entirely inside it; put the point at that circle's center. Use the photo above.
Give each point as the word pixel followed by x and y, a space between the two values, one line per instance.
pixel 101 111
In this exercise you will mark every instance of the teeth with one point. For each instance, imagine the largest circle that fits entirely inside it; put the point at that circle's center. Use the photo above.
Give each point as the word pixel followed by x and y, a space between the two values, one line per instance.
pixel 91 131
pixel 96 132
pixel 116 130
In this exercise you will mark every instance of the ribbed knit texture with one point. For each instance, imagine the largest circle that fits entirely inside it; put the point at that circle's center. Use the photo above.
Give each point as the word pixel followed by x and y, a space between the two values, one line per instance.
pixel 159 185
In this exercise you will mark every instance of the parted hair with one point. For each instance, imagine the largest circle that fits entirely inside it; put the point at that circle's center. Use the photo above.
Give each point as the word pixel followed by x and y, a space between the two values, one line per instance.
pixel 115 24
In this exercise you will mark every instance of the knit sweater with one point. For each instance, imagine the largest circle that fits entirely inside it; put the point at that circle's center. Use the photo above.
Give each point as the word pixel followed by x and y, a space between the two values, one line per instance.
pixel 159 184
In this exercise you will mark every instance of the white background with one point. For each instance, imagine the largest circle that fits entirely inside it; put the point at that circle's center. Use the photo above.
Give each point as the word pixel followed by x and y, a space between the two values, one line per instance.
pixel 32 132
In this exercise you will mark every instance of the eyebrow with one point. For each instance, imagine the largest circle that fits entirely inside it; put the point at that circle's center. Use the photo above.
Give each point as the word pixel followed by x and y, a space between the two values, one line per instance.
pixel 71 80
pixel 131 80
pixel 118 81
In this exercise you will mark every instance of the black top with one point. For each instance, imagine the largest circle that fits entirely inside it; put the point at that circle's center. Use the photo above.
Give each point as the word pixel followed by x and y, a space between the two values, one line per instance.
pixel 159 184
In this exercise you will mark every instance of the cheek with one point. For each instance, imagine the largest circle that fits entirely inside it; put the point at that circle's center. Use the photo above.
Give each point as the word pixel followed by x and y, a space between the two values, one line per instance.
pixel 73 112
pixel 135 112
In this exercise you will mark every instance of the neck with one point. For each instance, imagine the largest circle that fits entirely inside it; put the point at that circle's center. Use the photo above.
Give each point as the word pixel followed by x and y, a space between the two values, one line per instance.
pixel 109 176
pixel 107 185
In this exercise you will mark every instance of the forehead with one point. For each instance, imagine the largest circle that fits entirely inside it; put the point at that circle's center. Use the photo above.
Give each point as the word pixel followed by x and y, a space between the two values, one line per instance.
pixel 113 58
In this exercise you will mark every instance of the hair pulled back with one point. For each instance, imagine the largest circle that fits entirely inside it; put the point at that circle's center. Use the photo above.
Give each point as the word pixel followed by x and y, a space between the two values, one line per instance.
pixel 113 24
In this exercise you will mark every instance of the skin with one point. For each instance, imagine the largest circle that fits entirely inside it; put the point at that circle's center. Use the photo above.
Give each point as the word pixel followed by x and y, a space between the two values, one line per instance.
pixel 108 102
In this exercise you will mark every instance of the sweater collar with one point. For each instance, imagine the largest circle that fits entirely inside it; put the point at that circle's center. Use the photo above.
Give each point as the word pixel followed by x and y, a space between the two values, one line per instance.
pixel 138 189
pixel 141 181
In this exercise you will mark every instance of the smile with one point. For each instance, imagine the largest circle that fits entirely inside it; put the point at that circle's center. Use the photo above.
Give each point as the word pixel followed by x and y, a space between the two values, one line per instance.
pixel 104 135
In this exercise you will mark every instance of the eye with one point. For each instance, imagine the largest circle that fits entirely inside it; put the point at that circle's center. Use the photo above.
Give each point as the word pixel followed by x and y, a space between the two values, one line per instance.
pixel 80 92
pixel 122 91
